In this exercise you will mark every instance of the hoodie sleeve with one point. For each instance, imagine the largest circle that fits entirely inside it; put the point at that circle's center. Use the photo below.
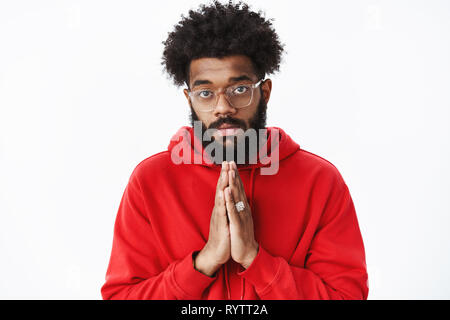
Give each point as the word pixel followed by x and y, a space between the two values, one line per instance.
pixel 136 268
pixel 335 265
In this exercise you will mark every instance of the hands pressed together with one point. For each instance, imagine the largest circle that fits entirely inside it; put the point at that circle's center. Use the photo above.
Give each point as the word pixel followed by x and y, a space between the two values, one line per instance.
pixel 231 233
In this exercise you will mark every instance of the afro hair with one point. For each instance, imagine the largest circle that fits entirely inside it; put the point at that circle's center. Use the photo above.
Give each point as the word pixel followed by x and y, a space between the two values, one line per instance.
pixel 218 30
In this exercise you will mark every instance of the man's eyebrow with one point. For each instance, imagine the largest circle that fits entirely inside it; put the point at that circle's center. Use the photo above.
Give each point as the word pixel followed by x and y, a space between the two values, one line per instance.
pixel 232 79
pixel 200 82
pixel 240 78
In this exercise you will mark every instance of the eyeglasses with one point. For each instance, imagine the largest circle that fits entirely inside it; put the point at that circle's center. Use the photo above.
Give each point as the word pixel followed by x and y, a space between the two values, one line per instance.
pixel 238 96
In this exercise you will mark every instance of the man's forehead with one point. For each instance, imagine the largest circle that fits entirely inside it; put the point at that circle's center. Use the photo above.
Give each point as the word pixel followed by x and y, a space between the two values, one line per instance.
pixel 219 68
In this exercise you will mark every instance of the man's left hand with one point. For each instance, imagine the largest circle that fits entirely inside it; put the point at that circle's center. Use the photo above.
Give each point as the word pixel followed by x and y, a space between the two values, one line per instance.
pixel 244 247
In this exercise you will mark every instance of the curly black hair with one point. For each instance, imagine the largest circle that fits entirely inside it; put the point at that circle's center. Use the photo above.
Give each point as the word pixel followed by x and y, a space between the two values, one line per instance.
pixel 219 30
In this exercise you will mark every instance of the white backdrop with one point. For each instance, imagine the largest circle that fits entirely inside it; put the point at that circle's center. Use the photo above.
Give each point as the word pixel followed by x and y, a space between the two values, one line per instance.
pixel 364 83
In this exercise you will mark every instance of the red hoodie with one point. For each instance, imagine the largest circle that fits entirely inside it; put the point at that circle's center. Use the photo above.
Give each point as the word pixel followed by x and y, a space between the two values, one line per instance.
pixel 310 245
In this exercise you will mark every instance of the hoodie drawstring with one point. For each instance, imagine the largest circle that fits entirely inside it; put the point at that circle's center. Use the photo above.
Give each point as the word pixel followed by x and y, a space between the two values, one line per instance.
pixel 252 177
pixel 225 272
pixel 251 187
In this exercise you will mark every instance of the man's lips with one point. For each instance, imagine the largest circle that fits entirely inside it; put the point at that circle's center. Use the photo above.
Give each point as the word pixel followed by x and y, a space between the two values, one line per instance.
pixel 228 129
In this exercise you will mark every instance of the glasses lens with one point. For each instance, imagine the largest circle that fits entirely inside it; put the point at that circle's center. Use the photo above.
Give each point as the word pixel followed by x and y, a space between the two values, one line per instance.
pixel 240 95
pixel 204 100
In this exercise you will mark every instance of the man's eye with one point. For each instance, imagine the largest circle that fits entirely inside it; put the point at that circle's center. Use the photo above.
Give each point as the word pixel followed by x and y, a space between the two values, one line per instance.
pixel 240 90
pixel 205 94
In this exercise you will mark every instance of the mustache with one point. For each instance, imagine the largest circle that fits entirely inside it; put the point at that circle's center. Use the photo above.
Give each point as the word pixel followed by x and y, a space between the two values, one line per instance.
pixel 229 121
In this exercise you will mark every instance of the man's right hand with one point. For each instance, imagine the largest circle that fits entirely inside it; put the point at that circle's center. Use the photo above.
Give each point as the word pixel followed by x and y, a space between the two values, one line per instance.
pixel 217 249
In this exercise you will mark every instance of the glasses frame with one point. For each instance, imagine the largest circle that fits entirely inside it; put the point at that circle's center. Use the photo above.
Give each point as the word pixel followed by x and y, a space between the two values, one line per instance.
pixel 253 86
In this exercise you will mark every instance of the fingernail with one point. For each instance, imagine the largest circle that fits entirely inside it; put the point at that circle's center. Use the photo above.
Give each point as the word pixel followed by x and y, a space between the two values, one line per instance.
pixel 233 174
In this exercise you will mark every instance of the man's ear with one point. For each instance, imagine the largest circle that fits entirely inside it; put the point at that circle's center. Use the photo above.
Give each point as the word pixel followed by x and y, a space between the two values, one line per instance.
pixel 186 94
pixel 266 89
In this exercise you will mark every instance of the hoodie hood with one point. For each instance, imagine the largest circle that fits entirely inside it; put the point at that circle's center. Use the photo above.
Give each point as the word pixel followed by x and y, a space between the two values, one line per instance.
pixel 185 147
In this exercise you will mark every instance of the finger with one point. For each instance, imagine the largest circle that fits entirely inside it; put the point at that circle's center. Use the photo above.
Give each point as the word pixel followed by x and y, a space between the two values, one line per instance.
pixel 222 182
pixel 221 199
pixel 239 183
pixel 234 187
pixel 231 209
pixel 224 175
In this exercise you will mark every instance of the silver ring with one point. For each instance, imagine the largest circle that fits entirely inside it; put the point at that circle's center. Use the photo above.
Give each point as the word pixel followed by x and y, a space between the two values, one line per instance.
pixel 240 206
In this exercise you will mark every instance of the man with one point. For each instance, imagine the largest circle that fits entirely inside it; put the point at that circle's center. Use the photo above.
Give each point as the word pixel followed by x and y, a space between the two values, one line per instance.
pixel 279 224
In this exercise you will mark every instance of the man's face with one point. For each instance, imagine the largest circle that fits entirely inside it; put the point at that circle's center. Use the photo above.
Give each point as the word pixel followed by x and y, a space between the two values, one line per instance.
pixel 215 73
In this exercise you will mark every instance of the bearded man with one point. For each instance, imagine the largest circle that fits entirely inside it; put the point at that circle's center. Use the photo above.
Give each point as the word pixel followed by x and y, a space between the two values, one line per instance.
pixel 233 209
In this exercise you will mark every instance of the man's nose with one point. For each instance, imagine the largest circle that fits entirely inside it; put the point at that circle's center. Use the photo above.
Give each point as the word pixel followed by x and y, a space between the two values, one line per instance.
pixel 223 107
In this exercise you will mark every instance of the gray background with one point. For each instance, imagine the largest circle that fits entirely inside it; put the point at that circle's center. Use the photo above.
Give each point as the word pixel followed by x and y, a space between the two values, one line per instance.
pixel 364 84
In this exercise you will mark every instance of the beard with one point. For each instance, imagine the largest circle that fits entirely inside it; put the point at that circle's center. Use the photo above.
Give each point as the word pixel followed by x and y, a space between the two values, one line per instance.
pixel 257 122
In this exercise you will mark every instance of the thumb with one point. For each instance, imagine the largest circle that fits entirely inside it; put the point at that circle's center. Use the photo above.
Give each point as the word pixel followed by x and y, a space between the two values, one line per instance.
pixel 222 209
